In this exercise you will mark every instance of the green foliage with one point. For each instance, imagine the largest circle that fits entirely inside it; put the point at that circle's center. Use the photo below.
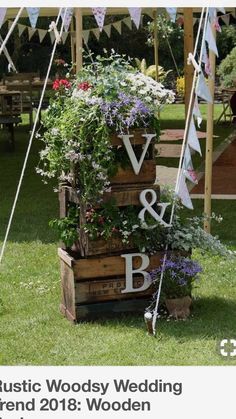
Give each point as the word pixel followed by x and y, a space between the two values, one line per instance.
pixel 227 69
pixel 150 71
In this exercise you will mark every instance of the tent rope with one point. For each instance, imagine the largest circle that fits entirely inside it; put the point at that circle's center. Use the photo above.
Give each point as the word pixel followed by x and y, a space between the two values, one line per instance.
pixel 32 136
pixel 187 125
pixel 11 30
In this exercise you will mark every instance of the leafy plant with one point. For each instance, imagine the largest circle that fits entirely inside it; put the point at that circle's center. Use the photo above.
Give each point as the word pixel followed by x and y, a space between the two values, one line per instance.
pixel 106 96
pixel 227 69
pixel 150 71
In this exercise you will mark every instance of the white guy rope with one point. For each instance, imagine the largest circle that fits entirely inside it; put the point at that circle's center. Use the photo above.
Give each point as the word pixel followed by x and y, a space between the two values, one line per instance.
pixel 187 125
pixel 7 55
pixel 11 29
pixel 31 138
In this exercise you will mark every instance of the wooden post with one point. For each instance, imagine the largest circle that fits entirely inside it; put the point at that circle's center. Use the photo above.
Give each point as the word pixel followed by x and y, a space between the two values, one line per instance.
pixel 209 142
pixel 156 58
pixel 79 38
pixel 72 43
pixel 188 47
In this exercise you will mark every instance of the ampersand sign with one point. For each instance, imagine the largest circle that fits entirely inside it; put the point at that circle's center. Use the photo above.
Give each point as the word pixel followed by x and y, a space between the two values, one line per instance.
pixel 147 206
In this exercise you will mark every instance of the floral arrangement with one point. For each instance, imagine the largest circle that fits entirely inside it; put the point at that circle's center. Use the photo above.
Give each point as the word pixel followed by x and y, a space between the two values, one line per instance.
pixel 180 275
pixel 107 96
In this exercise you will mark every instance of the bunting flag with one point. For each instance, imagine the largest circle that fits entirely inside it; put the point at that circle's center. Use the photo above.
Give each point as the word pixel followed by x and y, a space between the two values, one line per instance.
pixel 135 14
pixel 52 36
pixel 99 14
pixel 31 32
pixel 197 112
pixel 96 32
pixel 192 139
pixel 127 21
pixel 66 15
pixel 64 37
pixel 107 29
pixel 21 28
pixel 172 12
pixel 206 61
pixel 188 169
pixel 221 9
pixel 3 11
pixel 85 35
pixel 210 39
pixel 226 19
pixel 117 26
pixel 216 24
pixel 202 90
pixel 42 33
pixel 212 14
pixel 183 192
pixel 33 13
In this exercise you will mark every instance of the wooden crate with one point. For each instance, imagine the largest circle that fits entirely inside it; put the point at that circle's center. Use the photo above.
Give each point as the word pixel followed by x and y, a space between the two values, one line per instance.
pixel 93 286
pixel 127 176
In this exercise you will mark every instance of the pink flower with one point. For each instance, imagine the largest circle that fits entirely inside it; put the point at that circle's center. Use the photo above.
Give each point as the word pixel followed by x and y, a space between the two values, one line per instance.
pixel 84 85
pixel 58 83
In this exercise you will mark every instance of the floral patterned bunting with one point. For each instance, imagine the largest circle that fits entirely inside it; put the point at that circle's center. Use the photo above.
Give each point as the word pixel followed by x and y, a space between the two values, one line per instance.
pixel 66 15
pixel 99 14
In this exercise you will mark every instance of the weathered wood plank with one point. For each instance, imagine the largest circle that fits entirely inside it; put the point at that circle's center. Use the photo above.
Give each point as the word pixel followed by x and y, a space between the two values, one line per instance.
pixel 101 246
pixel 107 289
pixel 101 267
pixel 68 288
pixel 147 174
pixel 98 310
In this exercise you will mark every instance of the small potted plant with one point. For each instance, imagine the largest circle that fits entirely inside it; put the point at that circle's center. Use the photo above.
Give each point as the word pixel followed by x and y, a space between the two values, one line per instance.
pixel 180 275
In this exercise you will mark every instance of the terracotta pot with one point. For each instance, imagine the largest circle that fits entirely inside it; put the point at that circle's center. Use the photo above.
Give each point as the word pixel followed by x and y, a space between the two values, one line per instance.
pixel 179 308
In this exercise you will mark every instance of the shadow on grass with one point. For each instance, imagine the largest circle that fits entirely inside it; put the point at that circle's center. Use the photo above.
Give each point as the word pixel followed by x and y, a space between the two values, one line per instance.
pixel 211 317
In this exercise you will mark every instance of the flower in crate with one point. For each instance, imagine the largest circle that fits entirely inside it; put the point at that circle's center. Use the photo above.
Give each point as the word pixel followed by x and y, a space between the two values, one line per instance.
pixel 179 276
pixel 106 96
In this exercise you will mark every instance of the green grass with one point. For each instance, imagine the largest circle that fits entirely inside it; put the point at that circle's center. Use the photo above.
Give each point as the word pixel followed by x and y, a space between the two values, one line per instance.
pixel 33 332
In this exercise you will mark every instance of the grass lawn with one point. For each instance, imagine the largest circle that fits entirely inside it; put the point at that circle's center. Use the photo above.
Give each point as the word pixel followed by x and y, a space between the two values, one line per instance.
pixel 33 332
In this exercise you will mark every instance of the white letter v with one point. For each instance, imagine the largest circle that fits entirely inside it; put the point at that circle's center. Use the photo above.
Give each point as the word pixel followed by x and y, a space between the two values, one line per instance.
pixel 135 163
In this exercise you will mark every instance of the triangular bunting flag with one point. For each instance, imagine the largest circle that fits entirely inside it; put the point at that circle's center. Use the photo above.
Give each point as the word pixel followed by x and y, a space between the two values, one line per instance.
pixel 117 26
pixel 202 90
pixel 31 32
pixel 21 28
pixel 204 53
pixel 212 14
pixel 221 9
pixel 194 21
pixel 192 140
pixel 3 11
pixel 99 14
pixel 135 13
pixel 225 19
pixel 210 39
pixel 42 33
pixel 33 13
pixel 66 15
pixel 188 169
pixel 52 36
pixel 9 24
pixel 216 24
pixel 127 21
pixel 85 35
pixel 107 29
pixel 64 37
pixel 183 193
pixel 96 33
pixel 197 112
pixel 172 11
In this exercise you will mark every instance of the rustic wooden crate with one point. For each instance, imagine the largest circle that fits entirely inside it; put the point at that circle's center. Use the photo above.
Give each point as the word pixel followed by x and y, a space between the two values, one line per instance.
pixel 127 176
pixel 93 286
pixel 87 247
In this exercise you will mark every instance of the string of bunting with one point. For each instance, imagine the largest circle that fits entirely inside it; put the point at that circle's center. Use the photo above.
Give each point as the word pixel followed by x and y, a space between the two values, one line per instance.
pixel 99 14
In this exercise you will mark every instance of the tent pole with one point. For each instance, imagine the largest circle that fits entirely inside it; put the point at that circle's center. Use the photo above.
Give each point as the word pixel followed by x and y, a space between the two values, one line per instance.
pixel 188 47
pixel 79 38
pixel 156 45
pixel 209 143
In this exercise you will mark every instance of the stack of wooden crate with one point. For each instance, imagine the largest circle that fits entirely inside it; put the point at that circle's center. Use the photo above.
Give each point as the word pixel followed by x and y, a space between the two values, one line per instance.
pixel 93 277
